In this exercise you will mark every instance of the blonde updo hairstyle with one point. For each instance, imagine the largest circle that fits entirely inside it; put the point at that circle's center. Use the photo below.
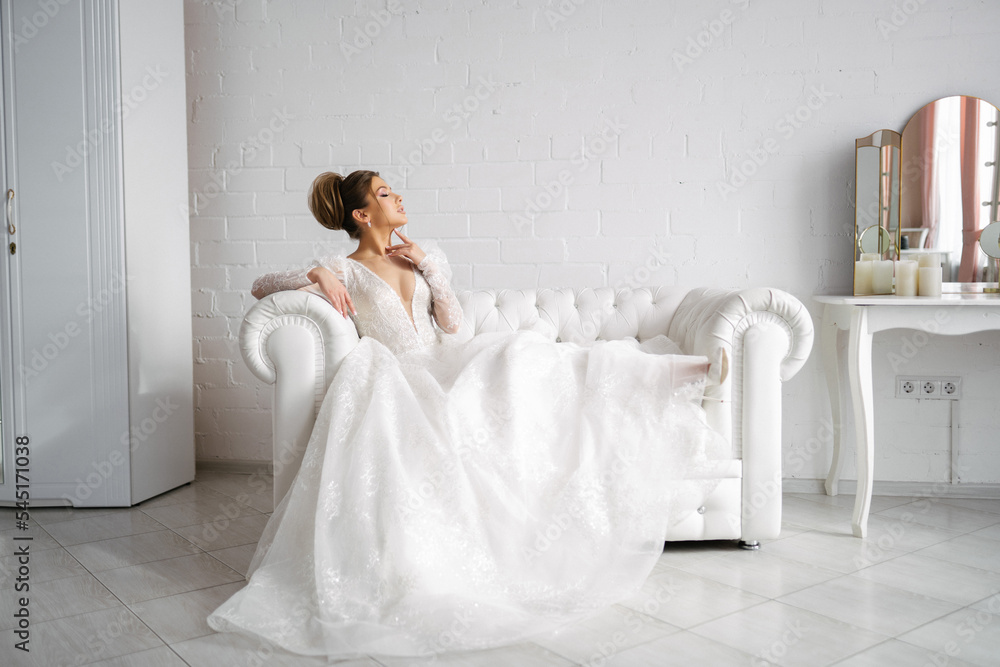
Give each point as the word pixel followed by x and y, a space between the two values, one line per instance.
pixel 334 198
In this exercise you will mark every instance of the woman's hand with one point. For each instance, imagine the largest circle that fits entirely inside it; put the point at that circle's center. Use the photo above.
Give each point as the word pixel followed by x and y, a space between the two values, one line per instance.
pixel 407 249
pixel 333 289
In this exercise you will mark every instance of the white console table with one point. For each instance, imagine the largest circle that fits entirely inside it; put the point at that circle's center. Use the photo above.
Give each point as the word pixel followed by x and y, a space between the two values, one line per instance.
pixel 862 316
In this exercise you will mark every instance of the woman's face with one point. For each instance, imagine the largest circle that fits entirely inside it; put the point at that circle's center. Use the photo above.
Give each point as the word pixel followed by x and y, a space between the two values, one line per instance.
pixel 386 207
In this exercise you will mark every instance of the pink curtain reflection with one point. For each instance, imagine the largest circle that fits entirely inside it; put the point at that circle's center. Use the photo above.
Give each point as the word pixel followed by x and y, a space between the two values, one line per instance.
pixel 971 206
pixel 919 201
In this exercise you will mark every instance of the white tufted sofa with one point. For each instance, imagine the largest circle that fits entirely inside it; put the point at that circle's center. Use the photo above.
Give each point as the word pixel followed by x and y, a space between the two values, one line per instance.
pixel 296 341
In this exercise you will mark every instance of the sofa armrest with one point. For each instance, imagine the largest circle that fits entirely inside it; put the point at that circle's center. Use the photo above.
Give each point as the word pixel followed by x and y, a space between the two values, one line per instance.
pixel 335 336
pixel 767 334
pixel 294 340
pixel 709 319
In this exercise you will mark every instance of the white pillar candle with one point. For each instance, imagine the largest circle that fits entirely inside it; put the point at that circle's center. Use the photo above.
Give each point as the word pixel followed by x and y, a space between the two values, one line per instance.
pixel 929 281
pixel 882 276
pixel 906 277
pixel 929 259
pixel 870 256
pixel 863 278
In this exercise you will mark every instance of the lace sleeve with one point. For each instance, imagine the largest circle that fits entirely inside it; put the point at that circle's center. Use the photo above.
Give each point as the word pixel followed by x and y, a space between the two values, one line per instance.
pixel 295 278
pixel 447 311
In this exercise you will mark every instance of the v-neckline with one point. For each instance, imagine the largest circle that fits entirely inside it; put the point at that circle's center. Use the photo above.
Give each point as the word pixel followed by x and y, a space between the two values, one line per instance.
pixel 402 304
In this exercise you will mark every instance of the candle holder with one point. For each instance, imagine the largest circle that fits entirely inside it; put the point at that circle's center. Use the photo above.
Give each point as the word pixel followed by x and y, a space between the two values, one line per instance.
pixel 994 290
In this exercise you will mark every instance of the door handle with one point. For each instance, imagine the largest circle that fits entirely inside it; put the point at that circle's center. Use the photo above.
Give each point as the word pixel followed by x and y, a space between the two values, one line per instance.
pixel 10 211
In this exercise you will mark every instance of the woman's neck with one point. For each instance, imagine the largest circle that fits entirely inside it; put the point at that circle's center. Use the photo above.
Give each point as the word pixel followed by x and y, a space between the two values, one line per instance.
pixel 373 243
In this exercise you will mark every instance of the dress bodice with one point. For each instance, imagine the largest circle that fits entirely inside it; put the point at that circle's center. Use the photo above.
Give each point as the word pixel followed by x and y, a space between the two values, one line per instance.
pixel 380 312
pixel 382 315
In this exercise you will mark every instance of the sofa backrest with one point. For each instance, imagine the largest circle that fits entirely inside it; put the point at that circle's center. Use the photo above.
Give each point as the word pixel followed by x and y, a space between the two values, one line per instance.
pixel 577 316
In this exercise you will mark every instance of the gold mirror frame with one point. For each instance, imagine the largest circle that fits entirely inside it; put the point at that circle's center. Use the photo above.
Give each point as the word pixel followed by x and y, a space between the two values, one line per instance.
pixel 876 195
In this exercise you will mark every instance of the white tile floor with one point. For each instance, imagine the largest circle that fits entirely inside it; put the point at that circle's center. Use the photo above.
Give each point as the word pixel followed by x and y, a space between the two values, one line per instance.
pixel 133 587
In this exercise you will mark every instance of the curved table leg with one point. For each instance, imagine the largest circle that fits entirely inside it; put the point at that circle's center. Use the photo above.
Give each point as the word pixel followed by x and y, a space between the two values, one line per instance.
pixel 832 369
pixel 860 373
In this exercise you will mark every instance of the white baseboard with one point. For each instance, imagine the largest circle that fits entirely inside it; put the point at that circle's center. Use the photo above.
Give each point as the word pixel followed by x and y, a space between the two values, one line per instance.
pixel 238 466
pixel 847 487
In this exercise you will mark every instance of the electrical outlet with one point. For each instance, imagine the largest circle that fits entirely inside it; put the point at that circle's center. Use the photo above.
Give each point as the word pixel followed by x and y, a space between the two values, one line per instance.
pixel 929 386
pixel 951 387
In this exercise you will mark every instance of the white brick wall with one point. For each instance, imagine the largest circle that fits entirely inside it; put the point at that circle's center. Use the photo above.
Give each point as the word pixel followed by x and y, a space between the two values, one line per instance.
pixel 606 121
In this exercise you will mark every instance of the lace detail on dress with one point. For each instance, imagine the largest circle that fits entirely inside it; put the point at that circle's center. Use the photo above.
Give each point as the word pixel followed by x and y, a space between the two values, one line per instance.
pixel 277 281
pixel 447 311
pixel 381 313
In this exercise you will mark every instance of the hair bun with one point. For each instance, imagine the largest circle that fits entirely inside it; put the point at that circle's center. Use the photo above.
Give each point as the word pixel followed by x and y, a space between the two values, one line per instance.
pixel 325 201
pixel 334 198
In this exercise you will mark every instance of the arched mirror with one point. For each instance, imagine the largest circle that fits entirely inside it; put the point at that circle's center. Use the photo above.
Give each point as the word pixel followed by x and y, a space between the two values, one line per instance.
pixel 950 187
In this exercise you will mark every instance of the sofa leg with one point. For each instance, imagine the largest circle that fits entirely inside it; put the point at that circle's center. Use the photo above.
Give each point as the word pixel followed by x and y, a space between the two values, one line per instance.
pixel 751 545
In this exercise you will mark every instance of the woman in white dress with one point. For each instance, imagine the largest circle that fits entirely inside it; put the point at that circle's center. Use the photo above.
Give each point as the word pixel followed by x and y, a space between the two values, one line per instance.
pixel 458 496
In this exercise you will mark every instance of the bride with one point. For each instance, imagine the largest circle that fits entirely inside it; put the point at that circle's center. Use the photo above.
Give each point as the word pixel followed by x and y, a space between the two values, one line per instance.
pixel 463 495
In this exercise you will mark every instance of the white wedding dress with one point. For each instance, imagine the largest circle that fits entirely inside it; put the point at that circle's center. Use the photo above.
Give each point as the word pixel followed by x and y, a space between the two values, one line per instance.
pixel 458 496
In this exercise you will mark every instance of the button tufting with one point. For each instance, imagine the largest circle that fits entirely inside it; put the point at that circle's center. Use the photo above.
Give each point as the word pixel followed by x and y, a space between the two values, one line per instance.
pixel 701 510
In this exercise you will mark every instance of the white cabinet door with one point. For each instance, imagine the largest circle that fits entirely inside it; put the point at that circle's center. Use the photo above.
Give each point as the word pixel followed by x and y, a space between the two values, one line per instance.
pixel 66 385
